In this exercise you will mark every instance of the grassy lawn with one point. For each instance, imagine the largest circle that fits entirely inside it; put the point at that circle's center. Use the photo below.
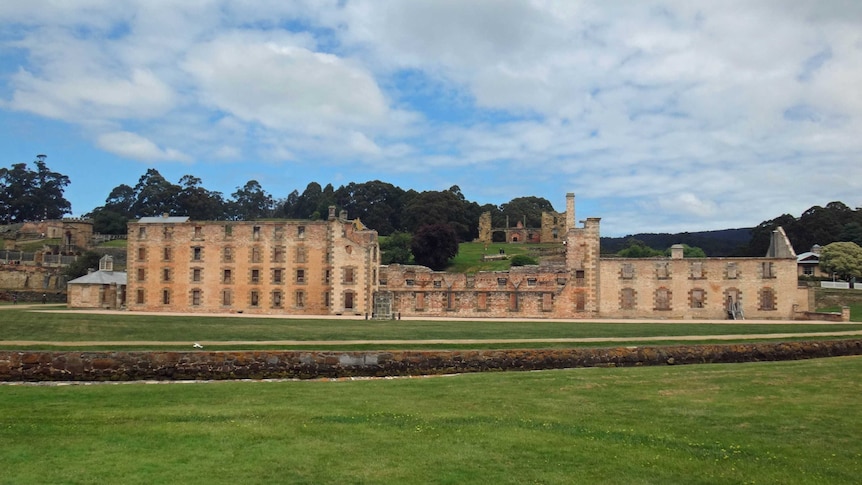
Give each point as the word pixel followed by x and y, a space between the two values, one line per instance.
pixel 855 311
pixel 784 422
pixel 19 324
pixel 469 257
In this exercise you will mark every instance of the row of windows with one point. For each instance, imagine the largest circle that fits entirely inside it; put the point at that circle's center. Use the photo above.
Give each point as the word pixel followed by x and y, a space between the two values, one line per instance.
pixel 278 254
pixel 451 301
pixel 579 281
pixel 697 298
pixel 277 275
pixel 696 271
pixel 255 298
pixel 256 231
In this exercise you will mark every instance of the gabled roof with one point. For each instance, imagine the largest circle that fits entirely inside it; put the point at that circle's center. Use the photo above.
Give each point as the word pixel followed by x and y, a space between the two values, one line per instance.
pixel 808 257
pixel 163 219
pixel 101 278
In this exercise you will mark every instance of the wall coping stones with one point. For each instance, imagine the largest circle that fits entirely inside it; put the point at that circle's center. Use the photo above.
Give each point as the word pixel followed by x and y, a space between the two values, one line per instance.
pixel 30 366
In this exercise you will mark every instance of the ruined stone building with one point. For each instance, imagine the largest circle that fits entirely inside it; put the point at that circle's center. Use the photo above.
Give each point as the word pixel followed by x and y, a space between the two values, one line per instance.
pixel 278 266
pixel 590 286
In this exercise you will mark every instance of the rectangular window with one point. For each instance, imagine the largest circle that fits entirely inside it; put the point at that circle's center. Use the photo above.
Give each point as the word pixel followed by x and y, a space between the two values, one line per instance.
pixel 167 233
pixel 627 299
pixel 276 276
pixel 300 299
pixel 531 281
pixel 226 276
pixel 166 297
pixel 255 298
pixel 808 270
pixel 141 274
pixel 732 271
pixel 300 276
pixel 438 284
pixel 326 276
pixel 142 232
pixel 579 278
pixel 255 233
pixel 348 300
pixel 301 254
pixel 502 281
pixel 166 254
pixel 547 302
pixel 228 230
pixel 196 297
pixel 420 300
pixel 197 253
pixel 166 274
pixel 227 255
pixel 697 298
pixel 142 254
pixel 513 301
pixel 196 275
pixel 662 299
pixel 348 275
pixel 580 302
pixel 278 254
pixel 255 255
pixel 139 299
pixel 482 301
pixel 276 299
pixel 662 271
pixel 255 275
pixel 225 297
pixel 409 282
pixel 768 270
pixel 696 270
pixel 300 231
pixel 627 271
pixel 326 299
pixel 767 299
pixel 450 301
pixel 278 232
pixel 198 232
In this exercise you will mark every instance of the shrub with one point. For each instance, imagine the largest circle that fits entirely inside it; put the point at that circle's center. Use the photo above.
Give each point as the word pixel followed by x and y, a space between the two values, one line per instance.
pixel 522 260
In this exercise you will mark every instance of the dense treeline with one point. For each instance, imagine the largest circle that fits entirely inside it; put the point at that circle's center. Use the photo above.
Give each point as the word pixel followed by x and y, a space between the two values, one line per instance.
pixel 379 205
pixel 27 194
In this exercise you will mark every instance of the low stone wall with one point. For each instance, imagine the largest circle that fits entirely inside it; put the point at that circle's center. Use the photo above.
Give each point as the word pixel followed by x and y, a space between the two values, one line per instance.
pixel 127 366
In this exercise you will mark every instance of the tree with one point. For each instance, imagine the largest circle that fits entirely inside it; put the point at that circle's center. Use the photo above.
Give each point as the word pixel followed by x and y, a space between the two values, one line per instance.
pixel 199 203
pixel 527 210
pixel 27 195
pixel 442 207
pixel 251 202
pixel 434 245
pixel 843 259
pixel 395 248
pixel 155 196
pixel 81 266
pixel 635 248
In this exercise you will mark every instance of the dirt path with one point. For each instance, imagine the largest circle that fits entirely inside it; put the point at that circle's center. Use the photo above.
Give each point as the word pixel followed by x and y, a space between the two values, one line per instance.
pixel 327 343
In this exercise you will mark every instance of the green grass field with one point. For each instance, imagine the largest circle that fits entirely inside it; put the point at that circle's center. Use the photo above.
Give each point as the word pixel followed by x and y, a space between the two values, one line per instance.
pixel 764 423
pixel 21 324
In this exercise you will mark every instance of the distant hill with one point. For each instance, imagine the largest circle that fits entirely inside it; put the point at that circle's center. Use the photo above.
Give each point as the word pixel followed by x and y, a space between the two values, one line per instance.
pixel 725 242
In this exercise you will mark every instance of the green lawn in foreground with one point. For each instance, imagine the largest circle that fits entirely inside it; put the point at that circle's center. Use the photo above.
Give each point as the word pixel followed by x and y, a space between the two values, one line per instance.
pixel 22 324
pixel 784 422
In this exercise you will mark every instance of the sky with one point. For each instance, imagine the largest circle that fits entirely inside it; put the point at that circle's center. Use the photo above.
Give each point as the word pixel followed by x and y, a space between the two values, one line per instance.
pixel 661 116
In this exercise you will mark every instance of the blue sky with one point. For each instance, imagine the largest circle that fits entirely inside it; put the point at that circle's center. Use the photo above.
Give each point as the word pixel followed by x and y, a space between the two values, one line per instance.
pixel 661 116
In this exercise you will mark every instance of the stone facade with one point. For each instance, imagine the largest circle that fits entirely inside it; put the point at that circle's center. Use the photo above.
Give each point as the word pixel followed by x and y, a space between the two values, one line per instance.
pixel 589 286
pixel 273 267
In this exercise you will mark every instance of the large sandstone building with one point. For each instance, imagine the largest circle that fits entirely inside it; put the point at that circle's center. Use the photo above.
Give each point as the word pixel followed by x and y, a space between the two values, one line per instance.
pixel 332 268
pixel 290 267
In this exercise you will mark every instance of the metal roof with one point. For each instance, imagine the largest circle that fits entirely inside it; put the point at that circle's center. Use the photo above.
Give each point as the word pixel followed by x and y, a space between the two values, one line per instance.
pixel 163 219
pixel 101 278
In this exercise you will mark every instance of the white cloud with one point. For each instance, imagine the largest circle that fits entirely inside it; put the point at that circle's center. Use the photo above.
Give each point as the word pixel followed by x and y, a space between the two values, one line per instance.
pixel 136 147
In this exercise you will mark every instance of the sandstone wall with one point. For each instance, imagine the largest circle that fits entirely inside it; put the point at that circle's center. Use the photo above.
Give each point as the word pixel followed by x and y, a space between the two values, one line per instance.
pixel 125 366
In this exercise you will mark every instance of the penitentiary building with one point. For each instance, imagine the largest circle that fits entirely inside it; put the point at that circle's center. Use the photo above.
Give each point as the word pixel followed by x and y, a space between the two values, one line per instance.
pixel 267 267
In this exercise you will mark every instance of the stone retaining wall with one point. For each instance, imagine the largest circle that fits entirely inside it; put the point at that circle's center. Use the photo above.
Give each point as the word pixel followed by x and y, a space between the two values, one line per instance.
pixel 138 365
